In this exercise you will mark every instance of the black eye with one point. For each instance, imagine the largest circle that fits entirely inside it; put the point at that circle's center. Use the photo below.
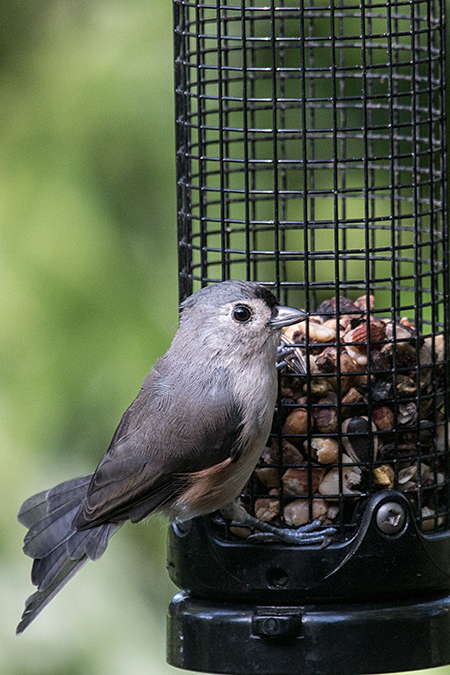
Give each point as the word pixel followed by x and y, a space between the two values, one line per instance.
pixel 242 313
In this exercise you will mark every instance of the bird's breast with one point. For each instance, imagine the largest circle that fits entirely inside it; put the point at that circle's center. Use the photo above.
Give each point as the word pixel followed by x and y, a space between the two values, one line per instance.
pixel 215 487
pixel 254 392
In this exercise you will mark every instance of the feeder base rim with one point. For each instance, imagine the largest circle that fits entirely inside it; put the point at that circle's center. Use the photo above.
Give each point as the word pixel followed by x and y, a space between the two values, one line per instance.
pixel 214 637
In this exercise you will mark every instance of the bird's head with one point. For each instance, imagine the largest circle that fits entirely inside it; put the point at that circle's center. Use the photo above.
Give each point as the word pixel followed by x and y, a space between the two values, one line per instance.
pixel 237 317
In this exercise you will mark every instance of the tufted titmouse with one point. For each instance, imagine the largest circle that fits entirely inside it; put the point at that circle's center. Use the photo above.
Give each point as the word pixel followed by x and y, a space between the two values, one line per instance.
pixel 186 446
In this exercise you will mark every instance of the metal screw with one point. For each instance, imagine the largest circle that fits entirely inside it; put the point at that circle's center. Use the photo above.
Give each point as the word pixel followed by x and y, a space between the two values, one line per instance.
pixel 391 517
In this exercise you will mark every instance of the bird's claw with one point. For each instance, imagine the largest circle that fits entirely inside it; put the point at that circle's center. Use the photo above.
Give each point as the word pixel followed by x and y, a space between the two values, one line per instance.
pixel 283 352
pixel 308 534
pixel 290 357
pixel 294 537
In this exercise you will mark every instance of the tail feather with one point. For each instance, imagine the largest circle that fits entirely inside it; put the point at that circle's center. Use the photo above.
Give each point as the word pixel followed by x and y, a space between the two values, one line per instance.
pixel 58 549
pixel 90 542
pixel 45 535
pixel 65 492
pixel 44 570
pixel 36 602
pixel 33 509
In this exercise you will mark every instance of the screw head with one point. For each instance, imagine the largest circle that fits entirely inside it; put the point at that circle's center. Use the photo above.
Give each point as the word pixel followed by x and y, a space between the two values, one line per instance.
pixel 390 518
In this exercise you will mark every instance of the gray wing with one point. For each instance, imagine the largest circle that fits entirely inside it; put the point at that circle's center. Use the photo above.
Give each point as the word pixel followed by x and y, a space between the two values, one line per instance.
pixel 168 432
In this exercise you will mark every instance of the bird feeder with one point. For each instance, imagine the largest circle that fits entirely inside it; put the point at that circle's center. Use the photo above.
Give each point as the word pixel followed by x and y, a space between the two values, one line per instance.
pixel 311 157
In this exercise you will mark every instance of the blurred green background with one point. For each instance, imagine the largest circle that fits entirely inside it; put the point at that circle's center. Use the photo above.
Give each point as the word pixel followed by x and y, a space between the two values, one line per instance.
pixel 88 278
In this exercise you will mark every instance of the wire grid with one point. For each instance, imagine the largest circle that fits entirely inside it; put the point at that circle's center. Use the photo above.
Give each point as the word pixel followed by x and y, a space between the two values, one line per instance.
pixel 311 155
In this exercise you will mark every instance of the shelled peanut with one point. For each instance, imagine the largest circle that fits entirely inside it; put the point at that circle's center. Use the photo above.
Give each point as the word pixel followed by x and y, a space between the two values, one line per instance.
pixel 342 374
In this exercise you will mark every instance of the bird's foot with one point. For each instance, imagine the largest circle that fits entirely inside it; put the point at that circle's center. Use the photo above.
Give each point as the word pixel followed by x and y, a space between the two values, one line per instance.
pixel 283 352
pixel 311 533
pixel 289 357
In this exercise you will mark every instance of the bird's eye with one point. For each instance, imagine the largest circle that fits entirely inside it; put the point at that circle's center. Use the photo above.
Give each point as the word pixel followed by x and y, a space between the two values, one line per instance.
pixel 242 313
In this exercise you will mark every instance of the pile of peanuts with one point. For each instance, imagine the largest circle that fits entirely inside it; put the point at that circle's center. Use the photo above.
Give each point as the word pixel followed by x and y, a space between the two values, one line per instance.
pixel 342 374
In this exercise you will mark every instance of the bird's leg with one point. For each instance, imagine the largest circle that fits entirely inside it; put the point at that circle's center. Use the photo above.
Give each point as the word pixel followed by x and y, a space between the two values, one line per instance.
pixel 301 536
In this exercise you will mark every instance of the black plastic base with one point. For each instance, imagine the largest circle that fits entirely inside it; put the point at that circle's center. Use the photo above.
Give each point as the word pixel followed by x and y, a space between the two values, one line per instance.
pixel 310 639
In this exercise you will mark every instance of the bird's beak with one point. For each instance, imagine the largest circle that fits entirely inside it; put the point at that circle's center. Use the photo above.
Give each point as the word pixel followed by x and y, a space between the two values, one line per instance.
pixel 286 316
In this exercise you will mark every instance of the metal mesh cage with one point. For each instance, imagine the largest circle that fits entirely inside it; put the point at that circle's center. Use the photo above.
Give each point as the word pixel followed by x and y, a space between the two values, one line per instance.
pixel 311 157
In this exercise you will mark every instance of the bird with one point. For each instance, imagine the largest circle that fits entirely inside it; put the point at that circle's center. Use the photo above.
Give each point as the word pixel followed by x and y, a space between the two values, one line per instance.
pixel 186 446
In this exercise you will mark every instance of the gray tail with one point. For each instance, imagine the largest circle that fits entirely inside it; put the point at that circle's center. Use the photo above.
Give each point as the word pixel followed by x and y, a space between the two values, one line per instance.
pixel 58 550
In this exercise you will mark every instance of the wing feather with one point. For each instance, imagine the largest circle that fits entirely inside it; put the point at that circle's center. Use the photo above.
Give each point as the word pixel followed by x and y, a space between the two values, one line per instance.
pixel 168 432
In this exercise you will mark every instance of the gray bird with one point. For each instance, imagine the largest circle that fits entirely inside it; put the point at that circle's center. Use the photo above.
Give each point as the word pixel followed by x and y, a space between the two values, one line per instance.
pixel 186 445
